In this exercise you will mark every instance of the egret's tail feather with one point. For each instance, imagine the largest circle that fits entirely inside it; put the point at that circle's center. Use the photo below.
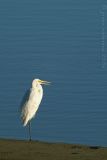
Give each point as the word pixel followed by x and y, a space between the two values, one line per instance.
pixel 24 121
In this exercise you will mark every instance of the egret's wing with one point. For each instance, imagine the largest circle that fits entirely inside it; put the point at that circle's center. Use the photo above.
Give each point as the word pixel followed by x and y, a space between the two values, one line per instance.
pixel 25 99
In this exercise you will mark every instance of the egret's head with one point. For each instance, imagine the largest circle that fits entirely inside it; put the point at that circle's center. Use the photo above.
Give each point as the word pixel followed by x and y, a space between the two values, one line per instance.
pixel 39 82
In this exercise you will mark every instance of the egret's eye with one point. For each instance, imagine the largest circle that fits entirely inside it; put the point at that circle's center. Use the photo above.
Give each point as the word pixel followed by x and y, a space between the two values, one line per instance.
pixel 39 81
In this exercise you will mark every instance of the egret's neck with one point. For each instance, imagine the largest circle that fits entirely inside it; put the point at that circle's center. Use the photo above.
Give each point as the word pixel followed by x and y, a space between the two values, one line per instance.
pixel 38 90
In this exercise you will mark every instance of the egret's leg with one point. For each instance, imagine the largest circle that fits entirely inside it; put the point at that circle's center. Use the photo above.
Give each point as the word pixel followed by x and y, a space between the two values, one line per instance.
pixel 29 131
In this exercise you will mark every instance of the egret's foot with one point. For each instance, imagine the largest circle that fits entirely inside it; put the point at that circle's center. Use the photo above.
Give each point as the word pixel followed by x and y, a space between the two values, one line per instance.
pixel 30 140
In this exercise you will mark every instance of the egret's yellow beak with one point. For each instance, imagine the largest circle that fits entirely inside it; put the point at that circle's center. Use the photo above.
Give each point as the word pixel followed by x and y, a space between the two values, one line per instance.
pixel 44 82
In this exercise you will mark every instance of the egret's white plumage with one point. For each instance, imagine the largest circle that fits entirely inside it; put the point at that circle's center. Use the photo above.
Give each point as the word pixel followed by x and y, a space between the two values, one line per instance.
pixel 32 101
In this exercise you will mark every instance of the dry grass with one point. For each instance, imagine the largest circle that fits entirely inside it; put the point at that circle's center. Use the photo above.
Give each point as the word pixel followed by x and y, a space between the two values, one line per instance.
pixel 35 150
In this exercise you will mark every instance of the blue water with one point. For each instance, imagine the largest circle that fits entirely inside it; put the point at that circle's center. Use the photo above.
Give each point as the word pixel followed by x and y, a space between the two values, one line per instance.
pixel 61 41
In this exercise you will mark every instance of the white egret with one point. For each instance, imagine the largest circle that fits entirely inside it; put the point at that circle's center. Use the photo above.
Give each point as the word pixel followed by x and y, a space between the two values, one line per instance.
pixel 31 102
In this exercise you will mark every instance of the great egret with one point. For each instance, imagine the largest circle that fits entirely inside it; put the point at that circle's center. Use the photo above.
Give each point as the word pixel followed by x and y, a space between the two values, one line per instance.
pixel 31 102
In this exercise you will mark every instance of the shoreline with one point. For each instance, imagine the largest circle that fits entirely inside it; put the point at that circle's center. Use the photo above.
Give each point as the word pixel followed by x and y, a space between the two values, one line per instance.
pixel 11 149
